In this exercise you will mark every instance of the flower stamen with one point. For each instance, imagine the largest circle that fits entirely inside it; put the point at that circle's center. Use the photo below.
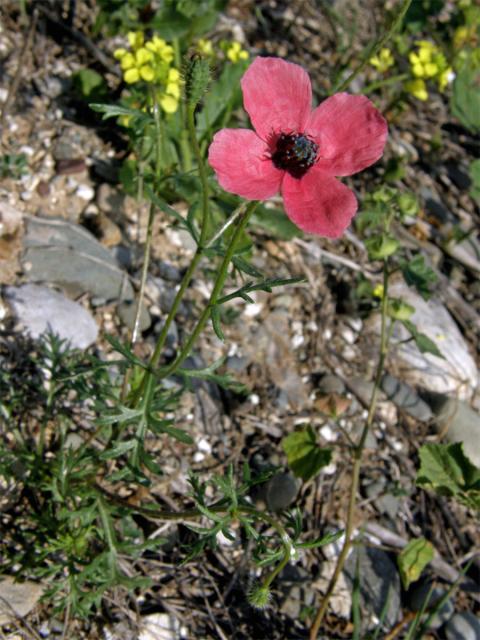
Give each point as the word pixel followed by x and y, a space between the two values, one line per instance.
pixel 295 153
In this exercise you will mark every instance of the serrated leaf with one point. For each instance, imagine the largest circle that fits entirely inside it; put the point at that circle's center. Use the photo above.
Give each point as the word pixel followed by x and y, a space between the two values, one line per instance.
pixel 114 110
pixel 305 458
pixel 419 275
pixel 413 559
pixel 163 426
pixel 423 342
pixel 447 470
pixel 382 246
pixel 465 102
pixel 246 267
pixel 320 542
pixel 217 327
pixel 118 450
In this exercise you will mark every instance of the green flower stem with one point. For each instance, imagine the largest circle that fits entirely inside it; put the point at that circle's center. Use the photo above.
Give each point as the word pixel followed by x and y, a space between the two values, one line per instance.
pixel 193 265
pixel 357 457
pixel 372 50
pixel 184 143
pixel 217 289
pixel 385 82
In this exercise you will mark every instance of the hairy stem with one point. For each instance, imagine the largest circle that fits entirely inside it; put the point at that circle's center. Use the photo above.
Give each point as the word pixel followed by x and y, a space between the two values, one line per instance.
pixel 357 459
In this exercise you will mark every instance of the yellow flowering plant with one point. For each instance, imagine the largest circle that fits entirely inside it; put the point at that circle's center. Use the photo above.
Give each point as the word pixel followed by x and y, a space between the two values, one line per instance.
pixel 427 63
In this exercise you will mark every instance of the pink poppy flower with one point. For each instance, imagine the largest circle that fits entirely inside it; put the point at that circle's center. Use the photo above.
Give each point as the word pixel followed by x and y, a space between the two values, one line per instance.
pixel 298 151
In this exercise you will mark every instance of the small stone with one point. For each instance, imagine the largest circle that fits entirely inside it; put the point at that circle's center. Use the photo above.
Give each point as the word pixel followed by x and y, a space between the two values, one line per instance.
pixel 406 398
pixel 281 491
pixel 17 598
pixel 379 585
pixel 85 192
pixel 423 594
pixel 70 166
pixel 41 310
pixel 43 189
pixel 127 311
pixel 159 626
pixel 458 422
pixel 463 626
pixel 331 384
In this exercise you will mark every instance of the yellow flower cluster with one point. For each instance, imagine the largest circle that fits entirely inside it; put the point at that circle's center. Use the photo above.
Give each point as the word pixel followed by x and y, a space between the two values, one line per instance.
pixel 232 50
pixel 383 60
pixel 235 53
pixel 427 63
pixel 151 62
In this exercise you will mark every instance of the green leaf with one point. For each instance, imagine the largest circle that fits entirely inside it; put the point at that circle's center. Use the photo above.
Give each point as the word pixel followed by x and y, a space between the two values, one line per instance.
pixel 305 458
pixel 118 450
pixel 419 275
pixel 89 84
pixel 328 538
pixel 276 222
pixel 246 267
pixel 423 342
pixel 380 247
pixel 399 310
pixel 114 110
pixel 163 426
pixel 413 559
pixel 446 470
pixel 215 315
pixel 465 101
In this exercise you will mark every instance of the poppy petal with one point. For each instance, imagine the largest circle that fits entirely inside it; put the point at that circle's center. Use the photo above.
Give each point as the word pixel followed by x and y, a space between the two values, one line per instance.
pixel 239 158
pixel 319 203
pixel 277 96
pixel 350 131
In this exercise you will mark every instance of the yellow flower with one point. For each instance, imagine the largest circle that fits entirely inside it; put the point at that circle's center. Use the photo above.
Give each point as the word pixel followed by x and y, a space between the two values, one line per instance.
pixel 417 88
pixel 378 291
pixel 159 47
pixel 135 39
pixel 136 66
pixel 205 47
pixel 445 78
pixel 235 53
pixel 383 61
pixel 170 97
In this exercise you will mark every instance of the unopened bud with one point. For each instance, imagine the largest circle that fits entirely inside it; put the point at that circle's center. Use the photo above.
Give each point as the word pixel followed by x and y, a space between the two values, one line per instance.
pixel 197 77
pixel 259 596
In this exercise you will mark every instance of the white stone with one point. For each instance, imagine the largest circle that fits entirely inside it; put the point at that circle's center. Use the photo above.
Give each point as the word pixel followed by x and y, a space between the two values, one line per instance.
pixel 159 626
pixel 40 309
pixel 85 192
pixel 456 373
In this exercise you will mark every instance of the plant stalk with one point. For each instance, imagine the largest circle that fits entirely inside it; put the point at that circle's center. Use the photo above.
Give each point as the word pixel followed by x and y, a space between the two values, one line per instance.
pixel 357 459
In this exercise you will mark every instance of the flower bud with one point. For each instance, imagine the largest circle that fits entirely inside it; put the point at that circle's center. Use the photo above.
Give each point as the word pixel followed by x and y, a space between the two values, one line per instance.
pixel 197 77
pixel 259 596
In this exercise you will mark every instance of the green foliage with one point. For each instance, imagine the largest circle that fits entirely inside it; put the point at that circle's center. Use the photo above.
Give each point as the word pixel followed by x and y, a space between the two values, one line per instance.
pixel 305 458
pixel 197 78
pixel 423 342
pixel 13 165
pixel 446 470
pixel 381 247
pixel 186 18
pixel 419 275
pixel 413 559
pixel 89 84
pixel 465 102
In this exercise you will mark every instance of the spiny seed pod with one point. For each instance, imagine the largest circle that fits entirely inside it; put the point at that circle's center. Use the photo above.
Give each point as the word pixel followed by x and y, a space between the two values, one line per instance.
pixel 259 596
pixel 197 77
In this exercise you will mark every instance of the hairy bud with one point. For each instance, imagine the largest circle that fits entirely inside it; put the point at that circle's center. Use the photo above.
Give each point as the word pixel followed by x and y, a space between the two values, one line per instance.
pixel 197 77
pixel 259 596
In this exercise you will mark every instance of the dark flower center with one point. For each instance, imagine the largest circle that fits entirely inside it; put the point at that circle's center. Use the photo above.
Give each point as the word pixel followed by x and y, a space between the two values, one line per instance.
pixel 294 153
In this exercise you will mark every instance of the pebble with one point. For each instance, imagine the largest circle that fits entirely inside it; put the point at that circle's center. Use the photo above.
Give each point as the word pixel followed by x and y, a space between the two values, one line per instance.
pixel 406 398
pixel 455 373
pixel 85 192
pixel 463 626
pixel 41 310
pixel 458 422
pixel 281 491
pixel 379 585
